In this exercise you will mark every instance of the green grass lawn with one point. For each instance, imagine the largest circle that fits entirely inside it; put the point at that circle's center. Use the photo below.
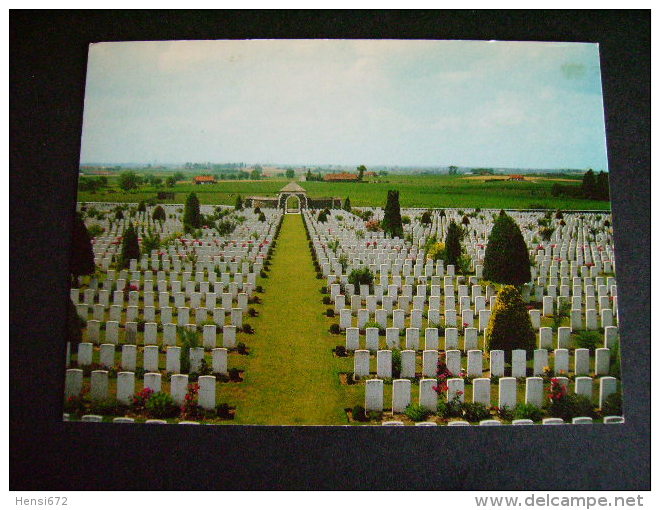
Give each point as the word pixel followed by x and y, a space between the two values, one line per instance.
pixel 291 375
pixel 415 191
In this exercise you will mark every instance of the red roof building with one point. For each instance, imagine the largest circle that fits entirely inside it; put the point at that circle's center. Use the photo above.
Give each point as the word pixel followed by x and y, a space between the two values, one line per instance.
pixel 344 176
pixel 516 178
pixel 204 179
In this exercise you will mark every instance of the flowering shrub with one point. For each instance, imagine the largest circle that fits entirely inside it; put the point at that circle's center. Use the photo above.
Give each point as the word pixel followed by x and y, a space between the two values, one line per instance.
pixel 443 374
pixel 557 391
pixel 141 398
pixel 77 404
pixel 190 410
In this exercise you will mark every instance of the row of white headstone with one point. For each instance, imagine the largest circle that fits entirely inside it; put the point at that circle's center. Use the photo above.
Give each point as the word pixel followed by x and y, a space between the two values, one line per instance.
pixel 578 420
pixel 150 335
pixel 432 337
pixel 475 363
pixel 163 315
pixel 99 387
pixel 481 392
pixel 593 319
pixel 150 356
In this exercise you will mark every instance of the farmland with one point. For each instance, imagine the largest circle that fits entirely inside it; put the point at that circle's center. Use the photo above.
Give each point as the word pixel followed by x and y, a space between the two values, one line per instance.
pixel 416 191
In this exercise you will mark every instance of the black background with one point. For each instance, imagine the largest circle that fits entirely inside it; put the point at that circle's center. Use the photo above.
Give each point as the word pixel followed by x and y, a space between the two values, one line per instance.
pixel 48 53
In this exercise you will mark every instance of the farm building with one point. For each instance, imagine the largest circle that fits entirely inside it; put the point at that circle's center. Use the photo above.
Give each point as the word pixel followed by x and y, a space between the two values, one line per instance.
pixel 341 177
pixel 204 179
pixel 516 178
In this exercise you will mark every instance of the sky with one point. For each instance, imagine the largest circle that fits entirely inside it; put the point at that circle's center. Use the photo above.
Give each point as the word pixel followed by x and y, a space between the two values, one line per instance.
pixel 345 102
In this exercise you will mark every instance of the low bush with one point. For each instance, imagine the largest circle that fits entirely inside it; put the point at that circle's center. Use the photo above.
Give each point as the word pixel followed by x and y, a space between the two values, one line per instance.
pixel 334 329
pixel 359 413
pixel 417 412
pixel 247 328
pixel 222 411
pixel 326 300
pixel 475 411
pixel 613 405
pixel 241 348
pixel 396 363
pixel 505 413
pixel 340 350
pixel 587 339
pixel 107 406
pixel 528 412
pixel 330 312
pixel 571 406
pixel 234 374
pixel 161 406
pixel 252 312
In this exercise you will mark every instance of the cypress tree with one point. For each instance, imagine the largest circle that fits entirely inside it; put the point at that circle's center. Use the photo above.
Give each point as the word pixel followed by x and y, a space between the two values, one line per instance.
pixel 159 214
pixel 239 203
pixel 347 204
pixel 130 248
pixel 82 255
pixel 453 248
pixel 507 259
pixel 602 186
pixel 509 326
pixel 391 223
pixel 191 216
pixel 589 184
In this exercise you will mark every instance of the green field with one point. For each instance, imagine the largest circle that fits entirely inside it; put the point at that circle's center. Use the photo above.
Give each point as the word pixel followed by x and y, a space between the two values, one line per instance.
pixel 431 191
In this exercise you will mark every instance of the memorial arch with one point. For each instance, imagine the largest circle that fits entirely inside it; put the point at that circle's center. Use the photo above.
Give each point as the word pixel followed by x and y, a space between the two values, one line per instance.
pixel 286 195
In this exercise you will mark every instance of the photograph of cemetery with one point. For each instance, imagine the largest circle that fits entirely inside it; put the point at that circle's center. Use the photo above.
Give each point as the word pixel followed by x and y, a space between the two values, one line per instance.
pixel 348 232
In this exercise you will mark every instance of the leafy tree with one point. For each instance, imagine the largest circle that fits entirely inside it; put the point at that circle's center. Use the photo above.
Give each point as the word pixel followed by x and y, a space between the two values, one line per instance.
pixel 426 218
pixel 453 170
pixel 290 174
pixel 142 207
pixel 361 169
pixel 179 176
pixel 170 182
pixel 347 204
pixel 191 215
pixel 391 223
pixel 589 187
pixel 82 255
pixel 262 217
pixel 507 259
pixel 130 248
pixel 159 214
pixel 119 214
pixel 453 247
pixel 509 326
pixel 323 216
pixel 239 203
pixel 128 181
pixel 256 174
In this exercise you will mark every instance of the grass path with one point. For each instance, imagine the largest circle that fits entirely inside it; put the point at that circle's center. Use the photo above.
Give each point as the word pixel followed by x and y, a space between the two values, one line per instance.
pixel 291 374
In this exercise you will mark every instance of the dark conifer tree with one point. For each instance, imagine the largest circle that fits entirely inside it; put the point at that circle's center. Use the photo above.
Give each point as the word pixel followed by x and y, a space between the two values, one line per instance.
pixel 391 223
pixel 507 259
